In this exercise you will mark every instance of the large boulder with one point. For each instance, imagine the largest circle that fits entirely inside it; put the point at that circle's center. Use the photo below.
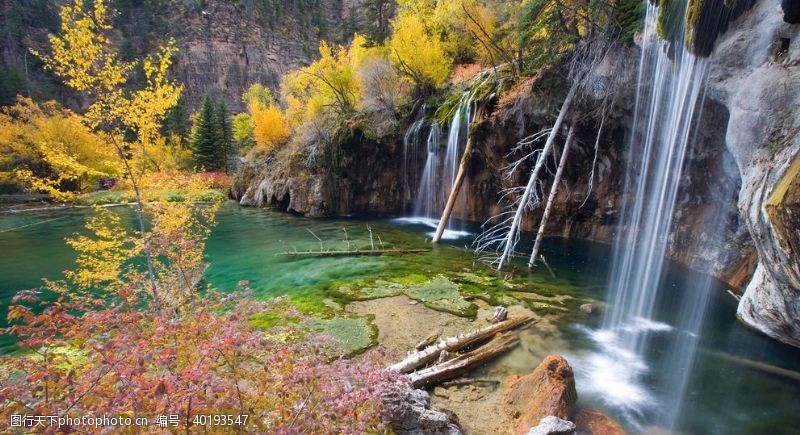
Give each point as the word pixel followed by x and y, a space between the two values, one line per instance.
pixel 548 390
pixel 410 413
pixel 594 422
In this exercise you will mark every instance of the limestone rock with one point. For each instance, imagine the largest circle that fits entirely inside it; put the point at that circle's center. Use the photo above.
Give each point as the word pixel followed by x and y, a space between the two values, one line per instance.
pixel 548 391
pixel 754 72
pixel 588 309
pixel 552 425
pixel 410 413
pixel 594 422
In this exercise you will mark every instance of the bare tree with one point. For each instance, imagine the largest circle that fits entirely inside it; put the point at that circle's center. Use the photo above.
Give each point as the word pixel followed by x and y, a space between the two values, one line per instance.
pixel 553 191
pixel 508 241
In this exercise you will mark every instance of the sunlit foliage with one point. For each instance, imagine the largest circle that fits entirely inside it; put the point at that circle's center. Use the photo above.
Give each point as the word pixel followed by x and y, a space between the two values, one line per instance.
pixel 417 52
pixel 50 149
pixel 84 57
pixel 270 127
pixel 101 348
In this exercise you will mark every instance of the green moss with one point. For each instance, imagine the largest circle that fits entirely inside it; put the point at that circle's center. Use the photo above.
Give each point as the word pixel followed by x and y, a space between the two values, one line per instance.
pixel 270 319
pixel 669 16
pixel 354 334
pixel 441 294
pixel 693 12
pixel 380 289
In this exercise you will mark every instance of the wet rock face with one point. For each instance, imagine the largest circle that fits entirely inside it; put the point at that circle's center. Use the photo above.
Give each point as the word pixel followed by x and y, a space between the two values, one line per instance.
pixel 755 73
pixel 548 391
pixel 365 180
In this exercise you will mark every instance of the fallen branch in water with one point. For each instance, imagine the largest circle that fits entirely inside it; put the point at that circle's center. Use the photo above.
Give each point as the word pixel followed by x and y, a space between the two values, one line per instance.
pixel 353 252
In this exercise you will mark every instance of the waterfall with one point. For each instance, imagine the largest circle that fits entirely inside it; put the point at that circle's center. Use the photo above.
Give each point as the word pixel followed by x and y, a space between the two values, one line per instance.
pixel 427 187
pixel 456 139
pixel 411 144
pixel 669 88
pixel 439 172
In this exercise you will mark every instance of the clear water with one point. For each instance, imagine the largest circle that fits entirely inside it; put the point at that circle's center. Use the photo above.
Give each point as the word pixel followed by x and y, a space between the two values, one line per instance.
pixel 722 396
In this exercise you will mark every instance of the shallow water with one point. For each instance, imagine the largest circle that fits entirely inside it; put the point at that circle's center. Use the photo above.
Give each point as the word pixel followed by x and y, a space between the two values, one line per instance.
pixel 726 394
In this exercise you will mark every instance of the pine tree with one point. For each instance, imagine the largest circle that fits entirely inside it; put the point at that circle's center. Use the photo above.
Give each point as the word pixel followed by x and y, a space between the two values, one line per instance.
pixel 223 134
pixel 176 122
pixel 204 138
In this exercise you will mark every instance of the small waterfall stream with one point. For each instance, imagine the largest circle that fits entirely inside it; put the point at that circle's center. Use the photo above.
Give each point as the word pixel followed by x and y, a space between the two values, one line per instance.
pixel 669 92
pixel 429 195
pixel 426 196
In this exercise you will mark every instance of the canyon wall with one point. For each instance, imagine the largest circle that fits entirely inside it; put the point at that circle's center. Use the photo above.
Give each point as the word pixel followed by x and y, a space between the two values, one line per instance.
pixel 756 74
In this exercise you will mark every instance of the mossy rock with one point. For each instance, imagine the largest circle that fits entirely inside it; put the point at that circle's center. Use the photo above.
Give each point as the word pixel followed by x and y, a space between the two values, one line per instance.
pixel 354 334
pixel 441 294
pixel 381 289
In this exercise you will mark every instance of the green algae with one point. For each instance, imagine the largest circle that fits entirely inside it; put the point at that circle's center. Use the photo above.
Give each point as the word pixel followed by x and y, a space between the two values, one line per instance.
pixel 441 294
pixel 354 334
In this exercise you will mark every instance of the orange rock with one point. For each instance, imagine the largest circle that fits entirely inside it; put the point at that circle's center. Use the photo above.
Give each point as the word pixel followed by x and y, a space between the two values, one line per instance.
pixel 594 422
pixel 548 390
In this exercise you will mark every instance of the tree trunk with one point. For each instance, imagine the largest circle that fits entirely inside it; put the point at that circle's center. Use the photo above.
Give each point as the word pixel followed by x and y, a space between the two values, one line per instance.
pixel 462 172
pixel 447 370
pixel 417 359
pixel 552 196
pixel 510 239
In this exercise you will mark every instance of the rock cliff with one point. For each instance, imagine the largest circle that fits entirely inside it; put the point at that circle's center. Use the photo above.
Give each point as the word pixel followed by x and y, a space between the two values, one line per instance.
pixel 755 73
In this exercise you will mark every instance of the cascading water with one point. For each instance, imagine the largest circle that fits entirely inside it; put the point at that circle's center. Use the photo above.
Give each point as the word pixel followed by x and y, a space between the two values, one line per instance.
pixel 670 84
pixel 456 139
pixel 427 187
pixel 411 145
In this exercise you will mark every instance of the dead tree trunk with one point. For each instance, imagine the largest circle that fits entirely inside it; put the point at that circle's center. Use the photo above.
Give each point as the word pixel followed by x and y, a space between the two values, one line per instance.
pixel 450 369
pixel 420 358
pixel 462 172
pixel 552 196
pixel 511 236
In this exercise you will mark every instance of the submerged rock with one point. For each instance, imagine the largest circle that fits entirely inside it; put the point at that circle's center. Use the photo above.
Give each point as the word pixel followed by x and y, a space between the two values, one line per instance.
pixel 594 422
pixel 589 309
pixel 410 413
pixel 548 391
pixel 552 425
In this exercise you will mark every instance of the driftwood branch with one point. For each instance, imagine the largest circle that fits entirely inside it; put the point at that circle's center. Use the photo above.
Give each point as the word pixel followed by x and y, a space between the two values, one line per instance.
pixel 420 358
pixel 355 252
pixel 453 368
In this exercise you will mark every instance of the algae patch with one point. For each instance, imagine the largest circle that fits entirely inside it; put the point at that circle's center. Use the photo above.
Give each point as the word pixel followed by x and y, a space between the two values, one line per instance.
pixel 439 294
pixel 354 334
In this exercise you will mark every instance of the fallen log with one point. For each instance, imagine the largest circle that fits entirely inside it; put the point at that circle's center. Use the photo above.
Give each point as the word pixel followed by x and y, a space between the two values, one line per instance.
pixel 353 252
pixel 758 365
pixel 450 369
pixel 420 358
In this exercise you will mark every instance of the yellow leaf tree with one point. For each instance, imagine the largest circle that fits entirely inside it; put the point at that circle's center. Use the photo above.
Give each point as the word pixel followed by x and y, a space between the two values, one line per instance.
pixel 52 150
pixel 84 57
pixel 418 53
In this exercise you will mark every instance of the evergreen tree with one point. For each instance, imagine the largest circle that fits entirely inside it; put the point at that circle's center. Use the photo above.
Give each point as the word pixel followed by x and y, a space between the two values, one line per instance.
pixel 176 122
pixel 204 137
pixel 223 134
